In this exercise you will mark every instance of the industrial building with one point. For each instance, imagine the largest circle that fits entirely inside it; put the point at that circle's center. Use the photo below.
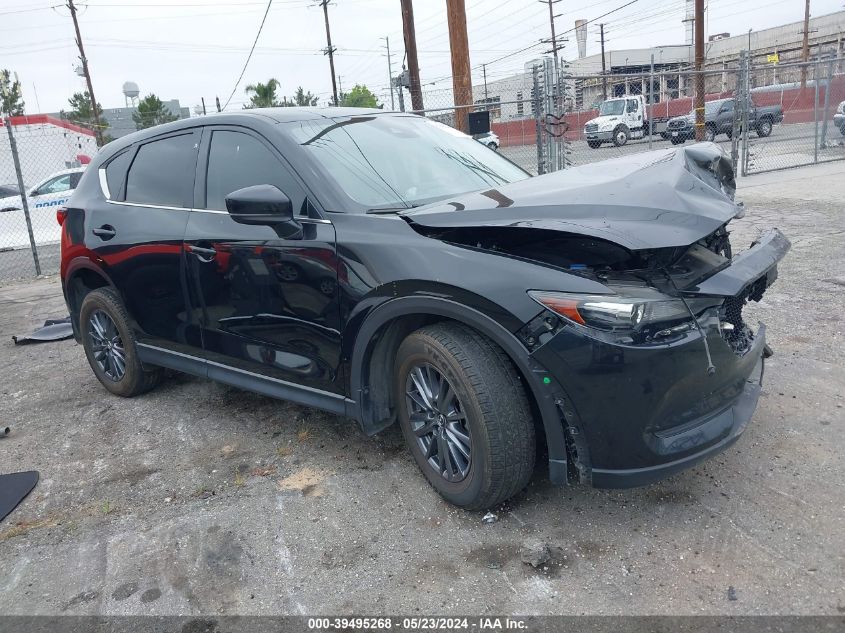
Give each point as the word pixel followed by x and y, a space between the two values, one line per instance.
pixel 627 71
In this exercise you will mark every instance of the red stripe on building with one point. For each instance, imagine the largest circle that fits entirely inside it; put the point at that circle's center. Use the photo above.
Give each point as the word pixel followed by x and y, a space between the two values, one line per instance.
pixel 35 119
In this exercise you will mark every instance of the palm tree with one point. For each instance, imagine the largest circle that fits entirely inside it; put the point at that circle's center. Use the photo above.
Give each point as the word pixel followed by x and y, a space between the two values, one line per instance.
pixel 262 95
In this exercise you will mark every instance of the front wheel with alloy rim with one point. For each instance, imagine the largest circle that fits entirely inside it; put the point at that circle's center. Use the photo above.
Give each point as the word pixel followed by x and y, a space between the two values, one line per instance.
pixel 764 128
pixel 620 135
pixel 110 345
pixel 464 414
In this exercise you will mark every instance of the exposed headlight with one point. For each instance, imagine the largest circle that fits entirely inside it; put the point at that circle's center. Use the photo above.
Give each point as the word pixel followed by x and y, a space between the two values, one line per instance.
pixel 621 312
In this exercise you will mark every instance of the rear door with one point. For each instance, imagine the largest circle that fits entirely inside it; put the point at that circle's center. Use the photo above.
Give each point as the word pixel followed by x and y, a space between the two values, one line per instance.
pixel 265 303
pixel 137 232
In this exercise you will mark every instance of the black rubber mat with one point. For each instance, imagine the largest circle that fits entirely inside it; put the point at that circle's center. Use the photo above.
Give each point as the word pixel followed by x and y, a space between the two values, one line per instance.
pixel 14 488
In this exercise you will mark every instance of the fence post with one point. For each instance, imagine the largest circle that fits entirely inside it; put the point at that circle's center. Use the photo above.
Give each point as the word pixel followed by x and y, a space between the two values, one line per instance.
pixel 826 101
pixel 24 201
pixel 538 128
pixel 651 102
pixel 745 64
pixel 816 113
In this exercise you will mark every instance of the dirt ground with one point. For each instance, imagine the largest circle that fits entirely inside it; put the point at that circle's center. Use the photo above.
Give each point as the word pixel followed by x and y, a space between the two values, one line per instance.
pixel 202 499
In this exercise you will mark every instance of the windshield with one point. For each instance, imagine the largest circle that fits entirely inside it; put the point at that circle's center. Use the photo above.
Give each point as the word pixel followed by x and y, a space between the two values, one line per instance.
pixel 612 108
pixel 387 162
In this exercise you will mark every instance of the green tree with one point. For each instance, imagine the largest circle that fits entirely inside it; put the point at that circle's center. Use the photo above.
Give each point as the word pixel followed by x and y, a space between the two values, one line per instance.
pixel 359 97
pixel 151 111
pixel 262 95
pixel 301 99
pixel 81 113
pixel 11 100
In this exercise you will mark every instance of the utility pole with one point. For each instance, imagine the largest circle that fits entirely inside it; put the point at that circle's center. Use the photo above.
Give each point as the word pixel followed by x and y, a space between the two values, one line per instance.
pixel 554 48
pixel 203 105
pixel 805 44
pixel 217 101
pixel 329 50
pixel 459 45
pixel 339 87
pixel 699 70
pixel 603 67
pixel 484 70
pixel 98 131
pixel 411 51
pixel 389 73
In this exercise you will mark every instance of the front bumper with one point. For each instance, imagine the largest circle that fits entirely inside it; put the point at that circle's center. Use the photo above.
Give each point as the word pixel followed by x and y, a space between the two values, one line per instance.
pixel 646 412
pixel 599 136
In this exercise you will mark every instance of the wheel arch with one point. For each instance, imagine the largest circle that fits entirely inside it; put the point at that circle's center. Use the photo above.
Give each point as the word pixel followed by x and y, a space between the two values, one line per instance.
pixel 81 277
pixel 379 336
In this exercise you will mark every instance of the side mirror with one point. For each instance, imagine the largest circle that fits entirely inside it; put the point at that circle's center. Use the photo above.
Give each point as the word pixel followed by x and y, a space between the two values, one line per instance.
pixel 261 205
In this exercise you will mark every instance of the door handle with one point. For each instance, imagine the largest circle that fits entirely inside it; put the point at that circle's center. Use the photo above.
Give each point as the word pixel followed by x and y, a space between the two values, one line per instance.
pixel 105 232
pixel 203 254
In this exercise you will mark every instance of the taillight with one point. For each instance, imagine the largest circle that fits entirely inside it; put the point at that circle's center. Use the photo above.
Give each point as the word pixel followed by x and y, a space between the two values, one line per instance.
pixel 61 214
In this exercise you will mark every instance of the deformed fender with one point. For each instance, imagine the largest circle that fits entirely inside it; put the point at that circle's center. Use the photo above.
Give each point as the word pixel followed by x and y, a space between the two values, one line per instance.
pixel 534 374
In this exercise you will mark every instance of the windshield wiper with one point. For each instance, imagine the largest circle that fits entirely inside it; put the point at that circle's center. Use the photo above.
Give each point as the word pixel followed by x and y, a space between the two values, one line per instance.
pixel 377 210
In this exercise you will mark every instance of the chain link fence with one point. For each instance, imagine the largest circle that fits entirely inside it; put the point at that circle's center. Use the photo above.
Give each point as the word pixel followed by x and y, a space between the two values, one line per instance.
pixel 544 125
pixel 41 163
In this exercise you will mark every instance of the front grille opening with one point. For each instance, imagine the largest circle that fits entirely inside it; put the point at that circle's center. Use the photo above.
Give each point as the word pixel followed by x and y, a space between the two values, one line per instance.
pixel 741 336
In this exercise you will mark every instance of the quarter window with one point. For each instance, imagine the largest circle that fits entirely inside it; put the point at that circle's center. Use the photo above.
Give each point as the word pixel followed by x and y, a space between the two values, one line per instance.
pixel 116 173
pixel 163 172
pixel 237 160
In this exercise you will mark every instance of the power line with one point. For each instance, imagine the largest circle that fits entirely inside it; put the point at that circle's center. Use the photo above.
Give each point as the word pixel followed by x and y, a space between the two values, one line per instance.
pixel 249 57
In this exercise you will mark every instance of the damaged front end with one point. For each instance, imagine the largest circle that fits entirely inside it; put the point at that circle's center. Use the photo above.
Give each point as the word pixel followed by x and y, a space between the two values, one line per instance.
pixel 660 369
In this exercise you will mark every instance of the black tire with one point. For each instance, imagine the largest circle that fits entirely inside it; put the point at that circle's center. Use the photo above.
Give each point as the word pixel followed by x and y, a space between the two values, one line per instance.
pixel 677 140
pixel 493 146
pixel 135 379
pixel 621 134
pixel 729 134
pixel 710 133
pixel 491 403
pixel 594 144
pixel 842 130
pixel 764 127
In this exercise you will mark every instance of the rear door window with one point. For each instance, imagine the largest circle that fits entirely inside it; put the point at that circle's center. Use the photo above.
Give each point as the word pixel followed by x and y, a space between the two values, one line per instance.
pixel 162 172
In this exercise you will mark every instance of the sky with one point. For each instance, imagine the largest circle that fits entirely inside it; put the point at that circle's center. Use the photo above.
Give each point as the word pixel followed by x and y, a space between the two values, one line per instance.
pixel 190 49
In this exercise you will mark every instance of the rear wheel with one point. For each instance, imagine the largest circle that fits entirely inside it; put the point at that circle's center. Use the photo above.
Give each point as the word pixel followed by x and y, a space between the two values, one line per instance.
pixel 110 345
pixel 594 144
pixel 464 415
pixel 842 130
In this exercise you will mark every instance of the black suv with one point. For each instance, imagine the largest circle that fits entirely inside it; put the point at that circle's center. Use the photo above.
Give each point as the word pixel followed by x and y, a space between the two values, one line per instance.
pixel 385 267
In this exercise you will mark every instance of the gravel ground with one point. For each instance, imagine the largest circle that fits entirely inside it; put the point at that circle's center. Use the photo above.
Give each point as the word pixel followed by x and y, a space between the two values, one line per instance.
pixel 202 499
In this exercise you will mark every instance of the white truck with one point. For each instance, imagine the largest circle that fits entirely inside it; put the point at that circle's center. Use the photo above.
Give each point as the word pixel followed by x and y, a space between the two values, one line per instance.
pixel 619 119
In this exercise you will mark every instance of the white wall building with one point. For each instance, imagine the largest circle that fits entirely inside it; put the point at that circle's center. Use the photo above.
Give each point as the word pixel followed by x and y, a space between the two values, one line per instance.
pixel 45 145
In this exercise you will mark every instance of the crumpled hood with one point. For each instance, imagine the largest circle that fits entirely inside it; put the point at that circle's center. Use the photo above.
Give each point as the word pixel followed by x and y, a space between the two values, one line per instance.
pixel 660 199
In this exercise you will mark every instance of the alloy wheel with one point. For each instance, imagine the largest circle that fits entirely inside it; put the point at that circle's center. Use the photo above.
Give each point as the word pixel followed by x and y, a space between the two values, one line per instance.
pixel 438 422
pixel 107 346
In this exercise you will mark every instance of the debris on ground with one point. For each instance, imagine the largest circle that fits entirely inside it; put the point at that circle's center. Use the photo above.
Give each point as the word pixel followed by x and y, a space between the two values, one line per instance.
pixel 52 330
pixel 489 518
pixel 535 553
pixel 732 594
pixel 4 431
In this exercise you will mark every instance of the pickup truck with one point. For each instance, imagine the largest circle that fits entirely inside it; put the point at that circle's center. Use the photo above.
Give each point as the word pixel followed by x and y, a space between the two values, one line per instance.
pixel 719 119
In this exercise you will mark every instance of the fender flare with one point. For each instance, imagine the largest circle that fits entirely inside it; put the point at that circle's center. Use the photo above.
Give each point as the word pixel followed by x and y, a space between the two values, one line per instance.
pixel 544 395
